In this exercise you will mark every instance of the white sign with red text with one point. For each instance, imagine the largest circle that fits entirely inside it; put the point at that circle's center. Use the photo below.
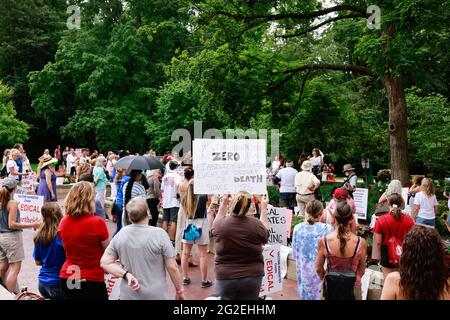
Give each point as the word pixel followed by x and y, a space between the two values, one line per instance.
pixel 112 286
pixel 361 196
pixel 280 220
pixel 272 281
pixel 28 182
pixel 29 207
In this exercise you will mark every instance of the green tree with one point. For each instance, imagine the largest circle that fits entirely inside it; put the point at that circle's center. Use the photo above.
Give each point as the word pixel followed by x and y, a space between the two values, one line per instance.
pixel 12 130
pixel 103 85
pixel 400 48
pixel 429 127
pixel 29 35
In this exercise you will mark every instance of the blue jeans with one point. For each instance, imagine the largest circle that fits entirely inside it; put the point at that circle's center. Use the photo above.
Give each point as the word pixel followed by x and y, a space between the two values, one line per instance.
pixel 118 211
pixel 428 222
pixel 51 292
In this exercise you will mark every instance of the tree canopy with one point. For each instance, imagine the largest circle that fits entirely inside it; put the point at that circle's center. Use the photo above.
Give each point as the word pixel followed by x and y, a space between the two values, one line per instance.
pixel 138 70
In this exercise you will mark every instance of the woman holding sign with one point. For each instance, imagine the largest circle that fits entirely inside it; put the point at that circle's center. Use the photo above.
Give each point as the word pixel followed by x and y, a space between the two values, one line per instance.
pixel 11 243
pixel 239 246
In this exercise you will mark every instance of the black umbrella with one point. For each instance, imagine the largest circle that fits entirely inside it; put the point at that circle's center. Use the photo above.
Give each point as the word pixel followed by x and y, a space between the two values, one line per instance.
pixel 154 163
pixel 133 163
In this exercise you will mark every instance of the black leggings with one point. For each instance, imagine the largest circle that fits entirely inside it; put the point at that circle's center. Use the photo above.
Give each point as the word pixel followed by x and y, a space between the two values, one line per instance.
pixel 85 290
pixel 153 206
pixel 239 289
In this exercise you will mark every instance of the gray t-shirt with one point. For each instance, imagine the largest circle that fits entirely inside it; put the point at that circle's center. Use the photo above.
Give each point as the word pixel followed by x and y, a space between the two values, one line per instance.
pixel 142 250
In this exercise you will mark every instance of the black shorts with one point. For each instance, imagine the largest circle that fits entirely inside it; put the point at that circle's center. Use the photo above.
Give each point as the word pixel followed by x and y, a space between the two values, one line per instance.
pixel 384 261
pixel 171 214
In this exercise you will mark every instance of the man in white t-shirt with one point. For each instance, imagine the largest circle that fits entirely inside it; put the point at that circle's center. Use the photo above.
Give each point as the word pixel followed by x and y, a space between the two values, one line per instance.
pixel 286 179
pixel 170 203
pixel 70 160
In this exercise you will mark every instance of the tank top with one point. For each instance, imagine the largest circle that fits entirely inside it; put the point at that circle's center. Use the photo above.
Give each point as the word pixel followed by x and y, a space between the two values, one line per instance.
pixel 4 218
pixel 340 263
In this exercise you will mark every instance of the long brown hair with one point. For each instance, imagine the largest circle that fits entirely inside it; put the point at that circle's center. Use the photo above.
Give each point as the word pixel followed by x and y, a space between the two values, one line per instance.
pixel 417 180
pixel 343 215
pixel 5 196
pixel 396 199
pixel 423 270
pixel 52 215
pixel 190 202
pixel 80 200
pixel 314 210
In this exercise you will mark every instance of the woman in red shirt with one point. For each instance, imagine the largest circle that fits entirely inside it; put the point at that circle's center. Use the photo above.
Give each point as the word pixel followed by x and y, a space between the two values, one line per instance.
pixel 395 224
pixel 85 238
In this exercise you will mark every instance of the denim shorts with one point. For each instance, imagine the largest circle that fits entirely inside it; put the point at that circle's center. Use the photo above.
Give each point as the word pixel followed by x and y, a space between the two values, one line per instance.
pixel 428 222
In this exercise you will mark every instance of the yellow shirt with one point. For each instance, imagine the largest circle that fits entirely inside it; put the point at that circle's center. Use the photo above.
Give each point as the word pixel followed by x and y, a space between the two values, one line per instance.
pixel 305 180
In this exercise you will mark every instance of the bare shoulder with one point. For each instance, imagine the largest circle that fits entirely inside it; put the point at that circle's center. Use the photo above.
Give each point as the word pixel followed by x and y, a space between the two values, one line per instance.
pixel 12 204
pixel 393 278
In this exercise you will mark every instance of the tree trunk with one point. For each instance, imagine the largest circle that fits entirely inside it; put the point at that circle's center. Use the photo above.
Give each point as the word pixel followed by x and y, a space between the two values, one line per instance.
pixel 397 128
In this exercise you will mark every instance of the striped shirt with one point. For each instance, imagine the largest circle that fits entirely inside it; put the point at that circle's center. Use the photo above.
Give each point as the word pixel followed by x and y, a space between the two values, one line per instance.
pixel 138 190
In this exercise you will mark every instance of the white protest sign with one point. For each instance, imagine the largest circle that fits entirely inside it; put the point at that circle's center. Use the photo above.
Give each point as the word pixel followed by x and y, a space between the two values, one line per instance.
pixel 277 222
pixel 112 286
pixel 272 281
pixel 29 207
pixel 78 152
pixel 288 222
pixel 28 182
pixel 360 196
pixel 224 166
pixel 285 251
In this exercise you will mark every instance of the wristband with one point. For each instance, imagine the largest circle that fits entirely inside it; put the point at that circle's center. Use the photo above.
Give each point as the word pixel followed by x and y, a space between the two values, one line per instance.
pixel 181 290
pixel 125 275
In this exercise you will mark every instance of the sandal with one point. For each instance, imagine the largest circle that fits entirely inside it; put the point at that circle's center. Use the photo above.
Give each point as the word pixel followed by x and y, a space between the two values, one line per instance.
pixel 207 283
pixel 186 281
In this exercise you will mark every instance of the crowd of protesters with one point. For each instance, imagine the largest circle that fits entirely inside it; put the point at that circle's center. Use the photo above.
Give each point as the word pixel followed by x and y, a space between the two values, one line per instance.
pixel 330 256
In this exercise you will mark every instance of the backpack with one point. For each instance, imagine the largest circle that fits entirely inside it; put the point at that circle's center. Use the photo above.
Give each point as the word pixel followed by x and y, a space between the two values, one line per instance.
pixel 339 284
pixel 394 246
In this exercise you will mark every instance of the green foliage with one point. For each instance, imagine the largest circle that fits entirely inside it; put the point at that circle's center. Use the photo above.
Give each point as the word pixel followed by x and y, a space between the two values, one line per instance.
pixel 12 130
pixel 429 127
pixel 102 87
pixel 29 35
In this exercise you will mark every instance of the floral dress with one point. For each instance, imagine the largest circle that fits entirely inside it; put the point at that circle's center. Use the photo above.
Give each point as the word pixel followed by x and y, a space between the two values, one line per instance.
pixel 304 244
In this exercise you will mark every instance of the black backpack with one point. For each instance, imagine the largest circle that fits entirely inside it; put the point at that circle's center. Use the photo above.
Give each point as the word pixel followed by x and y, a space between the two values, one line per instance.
pixel 339 284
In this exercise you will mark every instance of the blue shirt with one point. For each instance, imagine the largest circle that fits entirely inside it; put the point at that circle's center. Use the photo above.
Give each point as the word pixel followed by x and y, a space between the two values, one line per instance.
pixel 53 257
pixel 120 198
pixel 20 165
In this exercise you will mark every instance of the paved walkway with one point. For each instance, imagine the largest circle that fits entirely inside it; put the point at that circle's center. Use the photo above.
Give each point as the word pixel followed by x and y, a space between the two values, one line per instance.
pixel 29 275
